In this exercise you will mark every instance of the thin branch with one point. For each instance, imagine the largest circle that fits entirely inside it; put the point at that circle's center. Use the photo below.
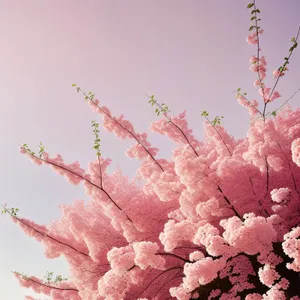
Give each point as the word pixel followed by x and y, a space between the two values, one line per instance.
pixel 228 201
pixel 285 102
pixel 100 173
pixel 168 281
pixel 281 70
pixel 156 277
pixel 268 175
pixel 230 153
pixel 174 255
pixel 42 233
pixel 258 57
pixel 85 179
pixel 234 91
pixel 170 120
pixel 47 285
pixel 127 130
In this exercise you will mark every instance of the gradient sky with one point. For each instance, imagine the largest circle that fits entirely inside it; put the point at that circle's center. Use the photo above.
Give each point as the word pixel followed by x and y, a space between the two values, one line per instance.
pixel 190 54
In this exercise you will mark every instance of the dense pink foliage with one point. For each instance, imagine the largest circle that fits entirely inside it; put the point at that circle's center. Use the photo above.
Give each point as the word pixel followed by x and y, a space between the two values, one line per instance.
pixel 218 220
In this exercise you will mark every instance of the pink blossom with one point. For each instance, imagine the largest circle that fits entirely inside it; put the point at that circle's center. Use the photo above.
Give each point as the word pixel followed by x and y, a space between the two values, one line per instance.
pixel 180 293
pixel 280 195
pixel 277 73
pixel 296 151
pixel 252 38
pixel 145 256
pixel 274 294
pixel 290 246
pixel 268 275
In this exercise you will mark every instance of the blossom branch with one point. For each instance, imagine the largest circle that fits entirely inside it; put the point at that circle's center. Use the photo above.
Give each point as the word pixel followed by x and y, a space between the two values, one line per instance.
pixel 79 176
pixel 249 102
pixel 90 97
pixel 290 98
pixel 281 69
pixel 44 234
pixel 25 277
pixel 205 115
pixel 165 113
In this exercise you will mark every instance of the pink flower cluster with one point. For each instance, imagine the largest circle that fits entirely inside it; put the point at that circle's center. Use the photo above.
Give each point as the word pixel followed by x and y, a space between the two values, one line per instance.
pixel 258 65
pixel 252 39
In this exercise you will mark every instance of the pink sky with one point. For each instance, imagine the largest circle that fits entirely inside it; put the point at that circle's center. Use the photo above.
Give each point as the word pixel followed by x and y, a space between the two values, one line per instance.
pixel 190 54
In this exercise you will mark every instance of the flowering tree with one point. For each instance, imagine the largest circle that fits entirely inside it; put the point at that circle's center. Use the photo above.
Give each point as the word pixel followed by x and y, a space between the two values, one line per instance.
pixel 219 220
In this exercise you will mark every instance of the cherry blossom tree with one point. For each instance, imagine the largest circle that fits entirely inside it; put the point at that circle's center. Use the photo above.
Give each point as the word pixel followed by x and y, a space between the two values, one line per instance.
pixel 219 220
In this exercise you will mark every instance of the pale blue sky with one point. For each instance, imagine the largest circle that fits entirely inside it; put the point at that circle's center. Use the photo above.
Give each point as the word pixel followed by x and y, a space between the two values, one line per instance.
pixel 190 54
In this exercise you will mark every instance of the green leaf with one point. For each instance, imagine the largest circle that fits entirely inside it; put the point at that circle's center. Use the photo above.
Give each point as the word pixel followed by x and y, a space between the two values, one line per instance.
pixel 253 11
pixel 253 18
pixel 286 58
pixel 295 45
pixel 258 11
pixel 251 28
pixel 238 89
pixel 273 113
pixel 250 5
pixel 74 84
pixel 293 39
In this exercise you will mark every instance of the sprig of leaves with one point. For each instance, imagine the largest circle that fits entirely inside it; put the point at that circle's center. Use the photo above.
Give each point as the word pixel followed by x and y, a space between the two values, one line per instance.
pixel 239 92
pixel 161 108
pixel 41 149
pixel 12 211
pixel 254 18
pixel 215 121
pixel 96 131
pixel 49 278
pixel 293 47
pixel 24 276
pixel 295 44
pixel 88 96
pixel 27 149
